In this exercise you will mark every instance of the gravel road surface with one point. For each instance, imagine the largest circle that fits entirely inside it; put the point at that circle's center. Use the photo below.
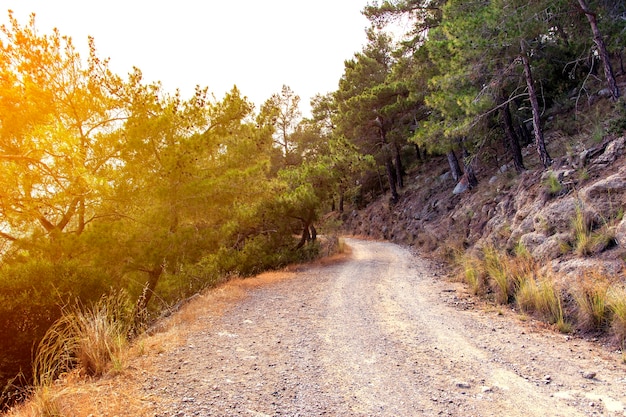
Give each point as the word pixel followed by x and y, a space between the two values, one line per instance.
pixel 380 333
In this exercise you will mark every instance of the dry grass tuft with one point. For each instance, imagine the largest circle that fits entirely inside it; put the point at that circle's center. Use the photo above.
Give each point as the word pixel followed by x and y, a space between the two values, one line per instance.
pixel 617 305
pixel 527 296
pixel 588 241
pixel 474 275
pixel 75 396
pixel 508 273
pixel 517 279
pixel 90 339
pixel 550 305
pixel 592 306
pixel 495 268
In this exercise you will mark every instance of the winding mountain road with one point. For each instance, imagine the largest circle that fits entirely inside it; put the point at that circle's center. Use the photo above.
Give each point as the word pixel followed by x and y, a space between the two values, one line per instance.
pixel 379 334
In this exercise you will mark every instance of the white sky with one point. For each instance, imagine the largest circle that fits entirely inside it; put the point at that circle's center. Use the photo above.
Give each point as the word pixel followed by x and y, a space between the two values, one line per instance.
pixel 259 45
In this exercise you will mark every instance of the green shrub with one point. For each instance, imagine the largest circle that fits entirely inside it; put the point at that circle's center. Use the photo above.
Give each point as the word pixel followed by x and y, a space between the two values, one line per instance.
pixel 553 186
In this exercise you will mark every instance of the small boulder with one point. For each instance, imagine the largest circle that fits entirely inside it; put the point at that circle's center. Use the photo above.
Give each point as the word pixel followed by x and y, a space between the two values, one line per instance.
pixel 551 247
pixel 589 375
pixel 462 186
pixel 613 150
pixel 620 233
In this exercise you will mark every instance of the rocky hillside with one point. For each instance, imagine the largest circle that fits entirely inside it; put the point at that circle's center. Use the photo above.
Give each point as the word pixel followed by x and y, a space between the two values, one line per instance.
pixel 570 217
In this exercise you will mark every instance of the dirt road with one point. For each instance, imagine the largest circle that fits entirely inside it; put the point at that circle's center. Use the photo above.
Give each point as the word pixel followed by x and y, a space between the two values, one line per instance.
pixel 379 334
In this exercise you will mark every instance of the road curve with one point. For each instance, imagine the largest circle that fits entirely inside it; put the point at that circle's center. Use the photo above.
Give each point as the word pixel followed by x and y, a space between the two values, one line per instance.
pixel 379 334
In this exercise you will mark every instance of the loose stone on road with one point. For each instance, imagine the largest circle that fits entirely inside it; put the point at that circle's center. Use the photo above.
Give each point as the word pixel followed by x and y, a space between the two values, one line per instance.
pixel 377 334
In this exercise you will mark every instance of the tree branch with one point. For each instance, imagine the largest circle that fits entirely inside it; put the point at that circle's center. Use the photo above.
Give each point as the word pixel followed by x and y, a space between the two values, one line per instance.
pixel 7 236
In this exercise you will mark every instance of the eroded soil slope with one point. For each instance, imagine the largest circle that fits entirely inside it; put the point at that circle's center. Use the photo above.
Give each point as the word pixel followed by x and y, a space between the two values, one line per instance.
pixel 379 334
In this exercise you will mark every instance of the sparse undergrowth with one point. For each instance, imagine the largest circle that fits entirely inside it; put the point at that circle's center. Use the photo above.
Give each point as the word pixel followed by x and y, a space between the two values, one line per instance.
pixel 93 342
pixel 593 237
pixel 84 342
pixel 595 303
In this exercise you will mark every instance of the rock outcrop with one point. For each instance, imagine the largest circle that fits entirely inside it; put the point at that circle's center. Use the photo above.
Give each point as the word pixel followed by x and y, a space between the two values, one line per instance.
pixel 545 211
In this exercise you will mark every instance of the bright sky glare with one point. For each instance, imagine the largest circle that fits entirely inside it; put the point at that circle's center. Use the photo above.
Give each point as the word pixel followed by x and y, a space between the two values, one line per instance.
pixel 256 45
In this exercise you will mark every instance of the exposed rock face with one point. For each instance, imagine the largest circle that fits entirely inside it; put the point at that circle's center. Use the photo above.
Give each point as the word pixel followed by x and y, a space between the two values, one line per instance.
pixel 545 225
pixel 607 196
pixel 511 210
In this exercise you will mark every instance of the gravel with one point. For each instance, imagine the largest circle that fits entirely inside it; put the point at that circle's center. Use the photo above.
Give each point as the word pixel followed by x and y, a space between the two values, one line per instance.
pixel 378 334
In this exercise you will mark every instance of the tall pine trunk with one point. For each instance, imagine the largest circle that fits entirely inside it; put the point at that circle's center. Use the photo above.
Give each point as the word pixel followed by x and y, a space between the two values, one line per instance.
pixel 389 168
pixel 512 141
pixel 391 178
pixel 306 236
pixel 309 232
pixel 418 152
pixel 380 180
pixel 341 198
pixel 534 103
pixel 604 54
pixel 468 163
pixel 399 167
pixel 455 168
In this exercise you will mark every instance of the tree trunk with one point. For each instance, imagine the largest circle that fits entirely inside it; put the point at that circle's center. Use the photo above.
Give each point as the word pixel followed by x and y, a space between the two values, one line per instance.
pixel 392 181
pixel 512 141
pixel 604 54
pixel 308 230
pixel 532 94
pixel 418 152
pixel 455 168
pixel 399 167
pixel 141 307
pixel 523 134
pixel 468 163
pixel 306 236
pixel 341 198
pixel 391 174
pixel 81 217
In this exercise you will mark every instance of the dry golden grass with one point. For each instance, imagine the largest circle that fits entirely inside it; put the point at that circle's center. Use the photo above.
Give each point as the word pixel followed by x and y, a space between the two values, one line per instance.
pixel 592 304
pixel 517 279
pixel 119 395
pixel 617 304
pixel 119 392
pixel 507 273
pixel 93 340
pixel 474 275
pixel 600 302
